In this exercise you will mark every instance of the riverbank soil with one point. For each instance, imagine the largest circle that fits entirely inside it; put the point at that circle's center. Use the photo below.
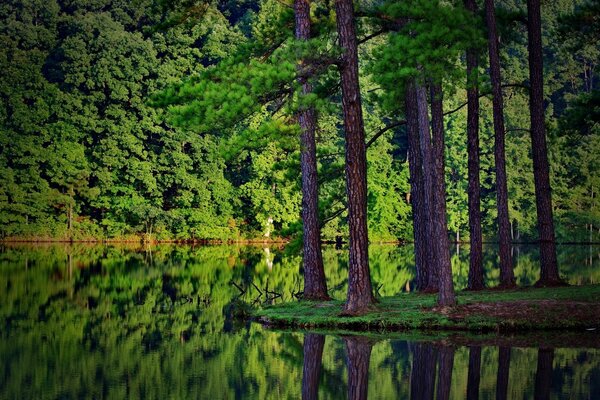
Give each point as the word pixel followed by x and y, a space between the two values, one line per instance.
pixel 530 309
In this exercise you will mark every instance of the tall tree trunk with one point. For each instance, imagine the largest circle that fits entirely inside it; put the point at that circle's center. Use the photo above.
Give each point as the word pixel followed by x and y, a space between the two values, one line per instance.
pixel 441 248
pixel 541 169
pixel 507 277
pixel 315 284
pixel 446 364
pixel 503 373
pixel 474 374
pixel 543 374
pixel 360 292
pixel 475 281
pixel 358 350
pixel 428 187
pixel 415 166
pixel 311 371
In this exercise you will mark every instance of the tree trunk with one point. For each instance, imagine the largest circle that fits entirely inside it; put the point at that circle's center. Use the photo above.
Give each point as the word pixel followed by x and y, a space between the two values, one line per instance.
pixel 541 170
pixel 475 281
pixel 428 188
pixel 360 293
pixel 415 166
pixel 315 284
pixel 543 374
pixel 474 374
pixel 441 247
pixel 507 277
pixel 358 350
pixel 311 371
pixel 445 367
pixel 503 373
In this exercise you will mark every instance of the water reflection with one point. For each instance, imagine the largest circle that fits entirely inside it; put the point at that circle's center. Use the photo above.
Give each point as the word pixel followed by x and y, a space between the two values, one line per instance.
pixel 427 370
pixel 159 322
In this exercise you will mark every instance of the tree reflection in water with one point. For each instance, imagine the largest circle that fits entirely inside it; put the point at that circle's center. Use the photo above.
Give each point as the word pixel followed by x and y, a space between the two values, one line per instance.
pixel 503 370
pixel 311 371
pixel 358 351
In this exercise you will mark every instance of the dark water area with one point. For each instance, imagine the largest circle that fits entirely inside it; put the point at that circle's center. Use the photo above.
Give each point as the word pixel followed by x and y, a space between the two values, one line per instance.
pixel 91 321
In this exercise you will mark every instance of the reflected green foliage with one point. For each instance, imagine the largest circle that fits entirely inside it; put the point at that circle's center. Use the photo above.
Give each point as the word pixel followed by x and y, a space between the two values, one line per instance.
pixel 116 321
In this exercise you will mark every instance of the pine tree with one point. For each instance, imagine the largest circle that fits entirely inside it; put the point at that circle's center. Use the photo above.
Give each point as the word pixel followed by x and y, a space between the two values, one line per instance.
pixel 315 285
pixel 507 278
pixel 360 293
pixel 539 149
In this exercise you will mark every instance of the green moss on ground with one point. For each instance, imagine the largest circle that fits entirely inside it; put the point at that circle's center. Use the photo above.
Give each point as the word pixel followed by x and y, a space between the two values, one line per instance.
pixel 575 307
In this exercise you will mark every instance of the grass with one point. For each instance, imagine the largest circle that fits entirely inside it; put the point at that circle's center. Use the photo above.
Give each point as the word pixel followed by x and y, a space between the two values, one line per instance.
pixel 574 307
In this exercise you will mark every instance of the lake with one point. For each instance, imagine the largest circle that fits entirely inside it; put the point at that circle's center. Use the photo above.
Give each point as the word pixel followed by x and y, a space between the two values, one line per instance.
pixel 127 321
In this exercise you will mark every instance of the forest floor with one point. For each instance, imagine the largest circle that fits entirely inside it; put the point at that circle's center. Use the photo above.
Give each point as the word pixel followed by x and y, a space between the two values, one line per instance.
pixel 525 309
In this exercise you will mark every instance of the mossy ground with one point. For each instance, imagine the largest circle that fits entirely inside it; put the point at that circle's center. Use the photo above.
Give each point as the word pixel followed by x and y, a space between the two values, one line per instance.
pixel 574 307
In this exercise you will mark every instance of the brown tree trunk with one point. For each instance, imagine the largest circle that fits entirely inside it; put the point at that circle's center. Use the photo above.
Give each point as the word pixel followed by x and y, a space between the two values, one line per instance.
pixel 358 350
pixel 428 187
pixel 360 293
pixel 311 371
pixel 475 281
pixel 474 374
pixel 543 374
pixel 415 166
pixel 446 364
pixel 315 284
pixel 441 247
pixel 539 151
pixel 507 277
pixel 503 373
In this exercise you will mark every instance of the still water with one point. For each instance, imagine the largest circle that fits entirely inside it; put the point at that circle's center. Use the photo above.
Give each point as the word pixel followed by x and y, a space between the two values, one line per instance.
pixel 90 321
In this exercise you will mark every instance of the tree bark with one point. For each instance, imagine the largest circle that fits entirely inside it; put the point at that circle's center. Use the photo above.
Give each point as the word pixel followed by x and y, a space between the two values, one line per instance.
pixel 428 188
pixel 503 373
pixel 441 247
pixel 311 371
pixel 474 374
pixel 360 293
pixel 358 350
pixel 507 277
pixel 446 364
pixel 543 374
pixel 539 151
pixel 475 280
pixel 415 166
pixel 315 284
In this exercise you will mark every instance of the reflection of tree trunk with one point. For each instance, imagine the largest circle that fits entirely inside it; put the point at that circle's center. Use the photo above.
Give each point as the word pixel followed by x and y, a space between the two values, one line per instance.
pixel 503 370
pixel 539 149
pixel 359 354
pixel 422 376
pixel 507 278
pixel 543 375
pixel 445 372
pixel 474 373
pixel 313 352
pixel 315 286
pixel 360 293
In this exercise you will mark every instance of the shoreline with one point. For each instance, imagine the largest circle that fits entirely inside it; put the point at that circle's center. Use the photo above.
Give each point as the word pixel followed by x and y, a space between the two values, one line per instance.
pixel 141 240
pixel 518 310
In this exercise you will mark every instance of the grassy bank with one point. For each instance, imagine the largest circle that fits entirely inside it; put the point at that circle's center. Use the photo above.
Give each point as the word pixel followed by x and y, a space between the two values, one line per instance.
pixel 573 308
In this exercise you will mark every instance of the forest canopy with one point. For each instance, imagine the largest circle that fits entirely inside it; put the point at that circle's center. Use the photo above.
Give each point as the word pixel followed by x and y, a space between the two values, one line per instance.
pixel 122 119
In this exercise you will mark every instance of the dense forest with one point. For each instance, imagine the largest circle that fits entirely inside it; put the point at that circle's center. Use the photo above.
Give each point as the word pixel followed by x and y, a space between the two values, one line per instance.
pixel 179 120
